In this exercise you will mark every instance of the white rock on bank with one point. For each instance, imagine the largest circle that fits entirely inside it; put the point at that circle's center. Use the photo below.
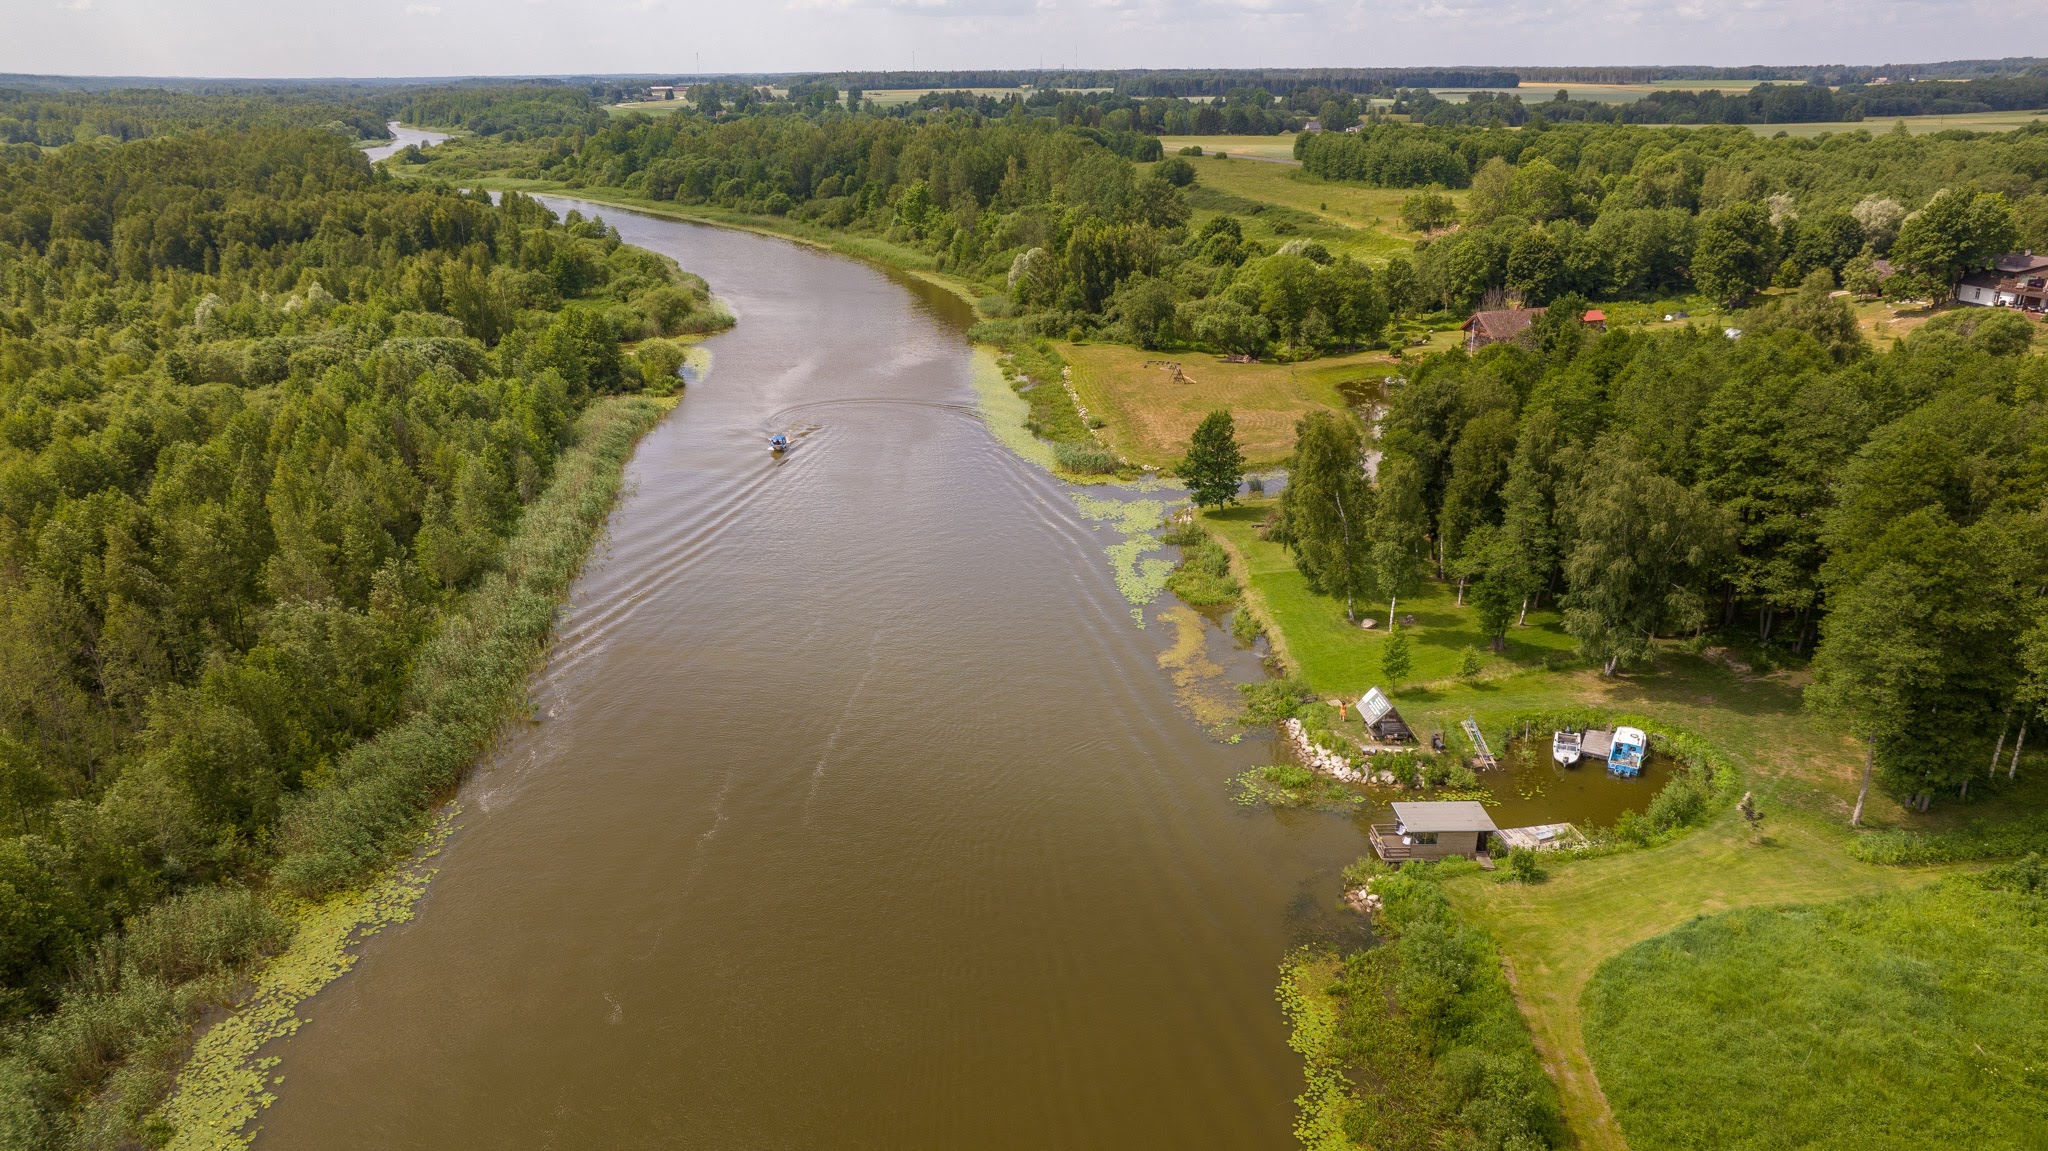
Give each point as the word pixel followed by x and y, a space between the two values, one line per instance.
pixel 1317 759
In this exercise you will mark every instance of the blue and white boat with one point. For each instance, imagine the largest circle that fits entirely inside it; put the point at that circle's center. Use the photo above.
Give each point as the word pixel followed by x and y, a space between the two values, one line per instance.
pixel 1630 748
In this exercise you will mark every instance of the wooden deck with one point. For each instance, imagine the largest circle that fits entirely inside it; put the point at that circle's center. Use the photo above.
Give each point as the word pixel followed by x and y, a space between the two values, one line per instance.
pixel 1386 840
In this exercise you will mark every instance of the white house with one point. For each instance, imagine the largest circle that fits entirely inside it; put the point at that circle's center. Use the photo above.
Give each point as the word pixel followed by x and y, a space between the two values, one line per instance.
pixel 2013 281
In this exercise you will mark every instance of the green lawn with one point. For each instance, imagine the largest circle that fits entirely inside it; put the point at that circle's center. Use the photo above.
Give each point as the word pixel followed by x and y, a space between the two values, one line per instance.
pixel 1339 657
pixel 1552 936
pixel 1897 1020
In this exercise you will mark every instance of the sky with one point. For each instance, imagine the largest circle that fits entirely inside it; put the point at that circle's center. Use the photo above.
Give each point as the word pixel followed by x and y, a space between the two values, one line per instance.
pixel 251 38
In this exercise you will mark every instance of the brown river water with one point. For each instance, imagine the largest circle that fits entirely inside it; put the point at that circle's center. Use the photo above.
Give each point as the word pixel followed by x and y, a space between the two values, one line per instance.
pixel 859 813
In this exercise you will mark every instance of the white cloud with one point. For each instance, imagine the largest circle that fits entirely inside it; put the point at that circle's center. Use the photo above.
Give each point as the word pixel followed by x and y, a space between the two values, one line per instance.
pixel 78 5
pixel 422 9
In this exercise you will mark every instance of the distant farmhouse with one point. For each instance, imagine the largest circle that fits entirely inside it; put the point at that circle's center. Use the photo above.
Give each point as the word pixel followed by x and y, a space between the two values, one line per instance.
pixel 1503 325
pixel 2014 281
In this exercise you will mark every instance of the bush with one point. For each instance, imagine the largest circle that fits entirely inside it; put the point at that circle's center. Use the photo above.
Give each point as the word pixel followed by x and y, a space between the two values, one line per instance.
pixel 201 931
pixel 1524 866
pixel 1202 578
pixel 1683 802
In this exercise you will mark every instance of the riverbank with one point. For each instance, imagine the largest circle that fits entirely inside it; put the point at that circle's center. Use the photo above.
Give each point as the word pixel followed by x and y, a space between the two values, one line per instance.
pixel 333 873
pixel 874 250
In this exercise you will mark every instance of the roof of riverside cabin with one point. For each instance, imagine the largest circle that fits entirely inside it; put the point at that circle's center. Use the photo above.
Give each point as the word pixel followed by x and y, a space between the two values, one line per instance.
pixel 1373 706
pixel 1458 815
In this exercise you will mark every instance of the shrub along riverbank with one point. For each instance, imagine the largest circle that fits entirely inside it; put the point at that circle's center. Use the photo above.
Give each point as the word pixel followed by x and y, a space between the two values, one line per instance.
pixel 1415 1043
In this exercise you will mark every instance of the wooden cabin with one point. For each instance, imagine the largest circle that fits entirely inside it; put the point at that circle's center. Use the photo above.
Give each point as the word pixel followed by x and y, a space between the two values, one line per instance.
pixel 1381 719
pixel 1430 831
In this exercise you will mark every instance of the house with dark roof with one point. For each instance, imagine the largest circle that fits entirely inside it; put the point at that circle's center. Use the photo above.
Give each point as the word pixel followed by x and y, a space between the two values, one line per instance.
pixel 1431 831
pixel 2018 280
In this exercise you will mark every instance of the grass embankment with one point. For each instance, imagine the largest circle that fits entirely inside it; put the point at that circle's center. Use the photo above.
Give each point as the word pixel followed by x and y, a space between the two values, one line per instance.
pixel 1896 1019
pixel 469 681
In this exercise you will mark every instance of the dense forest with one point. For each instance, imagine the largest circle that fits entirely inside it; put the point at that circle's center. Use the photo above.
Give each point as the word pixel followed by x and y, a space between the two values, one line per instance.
pixel 265 415
pixel 55 118
pixel 1610 211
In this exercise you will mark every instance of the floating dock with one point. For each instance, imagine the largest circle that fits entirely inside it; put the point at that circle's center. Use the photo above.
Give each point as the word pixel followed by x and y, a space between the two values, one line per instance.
pixel 1543 836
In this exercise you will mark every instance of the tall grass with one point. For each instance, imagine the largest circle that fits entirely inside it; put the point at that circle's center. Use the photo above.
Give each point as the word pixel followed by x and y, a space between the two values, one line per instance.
pixel 1417 1043
pixel 1908 1019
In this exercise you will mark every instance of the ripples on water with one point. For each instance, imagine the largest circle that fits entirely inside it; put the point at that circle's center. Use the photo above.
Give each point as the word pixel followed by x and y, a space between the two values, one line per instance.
pixel 858 814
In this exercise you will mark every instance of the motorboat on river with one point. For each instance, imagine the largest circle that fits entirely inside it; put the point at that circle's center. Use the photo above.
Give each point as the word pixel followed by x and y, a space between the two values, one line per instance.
pixel 778 443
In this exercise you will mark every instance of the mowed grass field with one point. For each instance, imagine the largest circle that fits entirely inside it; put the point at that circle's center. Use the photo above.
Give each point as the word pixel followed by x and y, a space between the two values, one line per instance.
pixel 1920 1010
pixel 1150 417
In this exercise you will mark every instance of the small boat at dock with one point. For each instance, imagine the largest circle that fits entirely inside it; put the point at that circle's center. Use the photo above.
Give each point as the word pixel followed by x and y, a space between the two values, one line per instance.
pixel 1630 748
pixel 1564 747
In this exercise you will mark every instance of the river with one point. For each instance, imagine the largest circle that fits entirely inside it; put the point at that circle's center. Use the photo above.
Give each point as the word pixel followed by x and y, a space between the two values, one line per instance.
pixel 858 812
pixel 402 136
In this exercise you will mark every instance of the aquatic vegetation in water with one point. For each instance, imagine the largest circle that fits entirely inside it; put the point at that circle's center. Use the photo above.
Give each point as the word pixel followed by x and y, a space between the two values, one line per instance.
pixel 1290 785
pixel 225 1085
pixel 1139 577
pixel 1005 413
pixel 1198 684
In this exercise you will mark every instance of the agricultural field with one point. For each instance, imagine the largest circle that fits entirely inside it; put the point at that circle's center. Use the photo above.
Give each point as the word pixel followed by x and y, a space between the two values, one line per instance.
pixel 1535 90
pixel 1150 414
pixel 1280 147
pixel 649 106
pixel 888 97
pixel 1916 125
pixel 1345 217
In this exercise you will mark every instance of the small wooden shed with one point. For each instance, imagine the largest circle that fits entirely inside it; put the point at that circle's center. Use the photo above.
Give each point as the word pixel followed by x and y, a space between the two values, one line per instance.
pixel 1429 831
pixel 1381 719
